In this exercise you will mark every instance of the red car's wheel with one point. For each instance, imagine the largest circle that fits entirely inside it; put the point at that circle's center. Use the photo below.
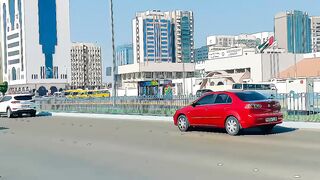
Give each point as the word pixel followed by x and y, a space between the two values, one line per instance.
pixel 232 126
pixel 183 123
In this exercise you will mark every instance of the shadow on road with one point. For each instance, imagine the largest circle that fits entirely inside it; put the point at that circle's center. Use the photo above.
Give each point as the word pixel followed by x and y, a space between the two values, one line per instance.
pixel 43 114
pixel 3 128
pixel 275 130
pixel 251 131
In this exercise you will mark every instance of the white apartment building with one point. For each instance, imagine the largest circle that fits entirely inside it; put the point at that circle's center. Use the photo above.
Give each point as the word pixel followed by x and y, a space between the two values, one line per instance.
pixel 315 33
pixel 86 66
pixel 35 45
pixel 152 37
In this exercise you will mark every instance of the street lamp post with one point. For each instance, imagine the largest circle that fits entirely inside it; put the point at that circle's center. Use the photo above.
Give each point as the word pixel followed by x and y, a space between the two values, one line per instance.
pixel 114 86
pixel 184 77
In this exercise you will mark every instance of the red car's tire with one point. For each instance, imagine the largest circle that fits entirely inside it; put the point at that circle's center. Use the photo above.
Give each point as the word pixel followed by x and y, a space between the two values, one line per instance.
pixel 232 126
pixel 183 123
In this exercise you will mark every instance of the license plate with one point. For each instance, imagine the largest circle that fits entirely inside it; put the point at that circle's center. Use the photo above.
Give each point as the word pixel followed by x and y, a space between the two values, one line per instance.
pixel 25 106
pixel 272 119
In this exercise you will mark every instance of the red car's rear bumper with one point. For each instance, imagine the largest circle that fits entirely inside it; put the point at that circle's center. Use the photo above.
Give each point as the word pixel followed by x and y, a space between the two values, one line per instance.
pixel 254 120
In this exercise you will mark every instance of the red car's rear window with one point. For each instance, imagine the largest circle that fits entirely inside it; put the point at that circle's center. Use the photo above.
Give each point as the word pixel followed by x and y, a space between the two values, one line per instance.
pixel 250 96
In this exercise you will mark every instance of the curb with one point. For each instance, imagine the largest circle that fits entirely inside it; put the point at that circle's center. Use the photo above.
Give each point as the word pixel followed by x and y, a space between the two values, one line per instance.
pixel 115 116
pixel 297 125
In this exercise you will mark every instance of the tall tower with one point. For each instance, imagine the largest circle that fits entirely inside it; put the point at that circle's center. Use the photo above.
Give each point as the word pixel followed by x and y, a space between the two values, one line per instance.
pixel 163 36
pixel 183 30
pixel 293 31
pixel 35 44
pixel 152 37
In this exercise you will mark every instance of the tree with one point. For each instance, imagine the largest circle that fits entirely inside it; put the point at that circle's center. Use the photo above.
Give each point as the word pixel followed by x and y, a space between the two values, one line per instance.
pixel 4 87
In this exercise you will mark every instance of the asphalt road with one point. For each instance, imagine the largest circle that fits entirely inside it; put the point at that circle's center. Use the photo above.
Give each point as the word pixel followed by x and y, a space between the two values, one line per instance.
pixel 56 148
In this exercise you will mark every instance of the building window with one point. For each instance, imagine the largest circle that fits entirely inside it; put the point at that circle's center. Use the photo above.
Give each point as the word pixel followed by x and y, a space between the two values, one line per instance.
pixel 14 74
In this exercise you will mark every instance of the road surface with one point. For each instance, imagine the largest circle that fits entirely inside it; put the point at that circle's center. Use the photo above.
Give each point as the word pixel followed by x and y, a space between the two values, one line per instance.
pixel 65 148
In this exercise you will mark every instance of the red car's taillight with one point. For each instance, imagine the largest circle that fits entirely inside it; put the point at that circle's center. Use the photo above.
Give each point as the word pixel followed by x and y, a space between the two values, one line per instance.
pixel 15 102
pixel 253 106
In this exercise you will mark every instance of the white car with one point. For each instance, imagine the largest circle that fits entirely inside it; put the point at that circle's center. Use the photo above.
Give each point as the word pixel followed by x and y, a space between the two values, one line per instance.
pixel 17 105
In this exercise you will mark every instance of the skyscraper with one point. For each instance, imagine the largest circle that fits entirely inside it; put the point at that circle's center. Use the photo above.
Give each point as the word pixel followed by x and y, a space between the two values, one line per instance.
pixel 35 44
pixel 183 33
pixel 152 37
pixel 293 31
pixel 163 36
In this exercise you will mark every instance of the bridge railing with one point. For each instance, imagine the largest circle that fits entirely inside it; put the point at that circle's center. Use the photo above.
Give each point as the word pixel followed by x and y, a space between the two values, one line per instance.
pixel 295 106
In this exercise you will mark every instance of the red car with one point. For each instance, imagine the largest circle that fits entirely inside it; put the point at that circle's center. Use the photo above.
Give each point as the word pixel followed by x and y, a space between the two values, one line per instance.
pixel 232 110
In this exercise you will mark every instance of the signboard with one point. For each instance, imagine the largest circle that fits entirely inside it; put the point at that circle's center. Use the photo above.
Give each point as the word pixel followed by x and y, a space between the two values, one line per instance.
pixel 226 53
pixel 148 83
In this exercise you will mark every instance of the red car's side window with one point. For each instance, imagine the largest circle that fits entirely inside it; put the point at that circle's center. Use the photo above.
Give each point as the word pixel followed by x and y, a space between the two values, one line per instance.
pixel 208 99
pixel 223 99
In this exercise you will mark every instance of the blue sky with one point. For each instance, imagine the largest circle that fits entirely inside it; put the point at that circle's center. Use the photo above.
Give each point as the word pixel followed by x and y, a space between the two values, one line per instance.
pixel 90 19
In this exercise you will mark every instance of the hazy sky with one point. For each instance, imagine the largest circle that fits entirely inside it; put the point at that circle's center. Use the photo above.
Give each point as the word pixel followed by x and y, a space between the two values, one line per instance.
pixel 90 20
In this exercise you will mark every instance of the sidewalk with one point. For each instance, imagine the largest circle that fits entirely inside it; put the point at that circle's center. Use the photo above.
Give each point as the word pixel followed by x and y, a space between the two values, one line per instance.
pixel 299 125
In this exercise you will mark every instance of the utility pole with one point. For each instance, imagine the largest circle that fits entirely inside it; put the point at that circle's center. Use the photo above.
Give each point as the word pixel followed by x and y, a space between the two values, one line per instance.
pixel 114 86
pixel 184 77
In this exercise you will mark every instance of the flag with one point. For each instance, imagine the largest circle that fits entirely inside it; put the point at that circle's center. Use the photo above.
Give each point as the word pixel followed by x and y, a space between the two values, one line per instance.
pixel 263 46
pixel 271 41
pixel 266 44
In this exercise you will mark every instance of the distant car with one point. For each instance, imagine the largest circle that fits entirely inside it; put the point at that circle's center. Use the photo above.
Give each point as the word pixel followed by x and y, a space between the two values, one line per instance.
pixel 17 105
pixel 232 110
pixel 200 92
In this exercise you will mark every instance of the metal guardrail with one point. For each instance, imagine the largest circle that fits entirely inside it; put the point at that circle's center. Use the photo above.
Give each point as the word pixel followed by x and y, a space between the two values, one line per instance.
pixel 124 105
pixel 296 107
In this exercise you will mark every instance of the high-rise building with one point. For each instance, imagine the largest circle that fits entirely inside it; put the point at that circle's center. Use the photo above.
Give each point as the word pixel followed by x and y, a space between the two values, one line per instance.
pixel 152 37
pixel 293 31
pixel 315 33
pixel 35 44
pixel 124 55
pixel 183 33
pixel 86 66
pixel 163 50
pixel 163 36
